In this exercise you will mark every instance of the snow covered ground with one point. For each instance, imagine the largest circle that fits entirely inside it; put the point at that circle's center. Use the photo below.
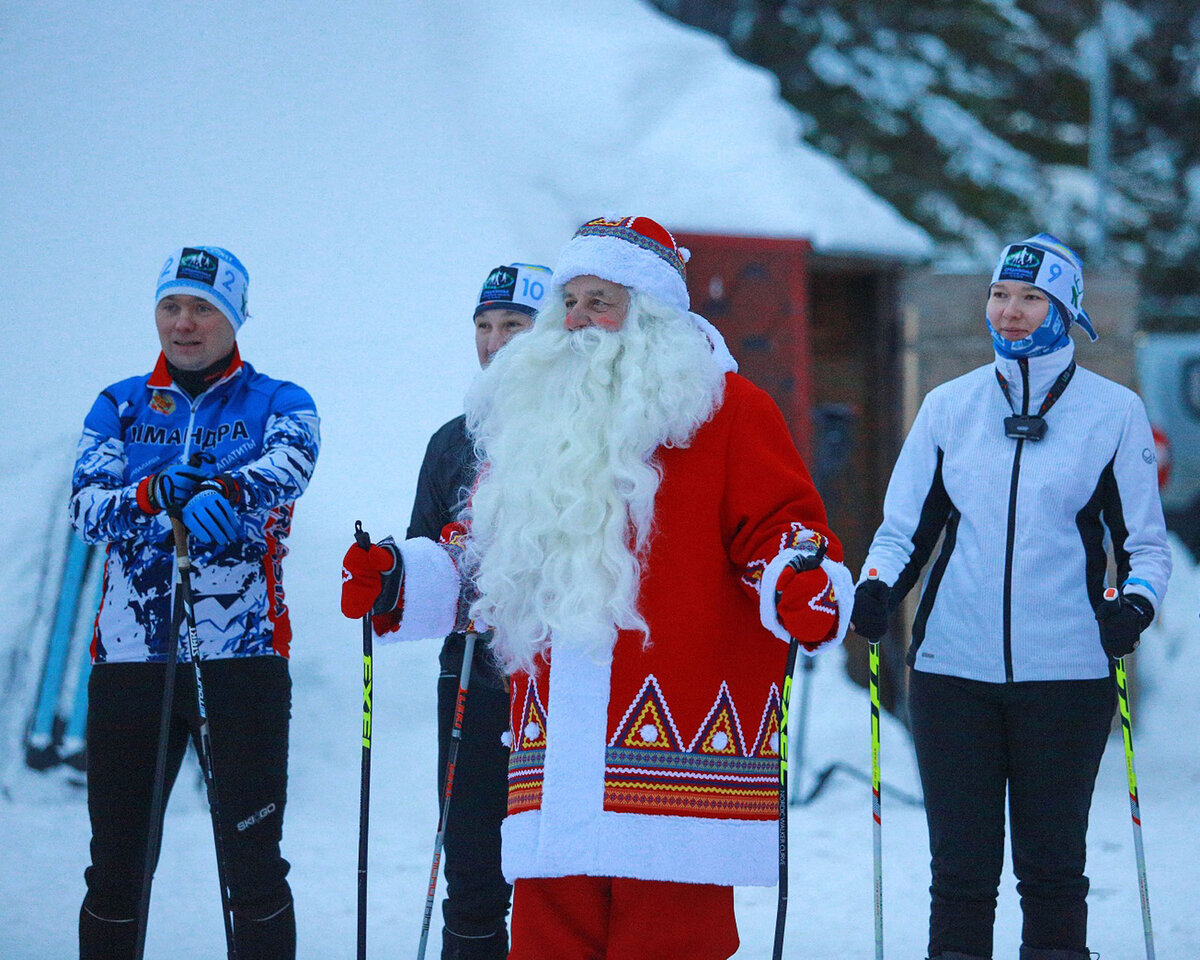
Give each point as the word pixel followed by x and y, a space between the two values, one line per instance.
pixel 370 170
pixel 43 822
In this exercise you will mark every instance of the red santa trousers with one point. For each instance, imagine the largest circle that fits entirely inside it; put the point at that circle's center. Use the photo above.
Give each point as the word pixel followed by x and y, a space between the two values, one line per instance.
pixel 615 918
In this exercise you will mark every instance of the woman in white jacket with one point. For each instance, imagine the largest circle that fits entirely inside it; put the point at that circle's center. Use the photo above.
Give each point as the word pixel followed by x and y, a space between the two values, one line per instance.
pixel 1028 470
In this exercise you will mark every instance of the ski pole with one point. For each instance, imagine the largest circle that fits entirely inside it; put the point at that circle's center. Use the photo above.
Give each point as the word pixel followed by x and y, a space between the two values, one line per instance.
pixel 364 793
pixel 781 908
pixel 800 562
pixel 464 679
pixel 203 740
pixel 876 806
pixel 1135 809
pixel 806 670
pixel 154 833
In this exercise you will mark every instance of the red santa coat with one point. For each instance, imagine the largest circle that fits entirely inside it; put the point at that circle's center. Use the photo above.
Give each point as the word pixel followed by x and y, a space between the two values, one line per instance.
pixel 664 763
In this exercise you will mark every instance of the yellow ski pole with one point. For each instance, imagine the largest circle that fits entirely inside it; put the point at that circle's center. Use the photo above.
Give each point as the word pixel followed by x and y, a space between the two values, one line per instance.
pixel 1135 809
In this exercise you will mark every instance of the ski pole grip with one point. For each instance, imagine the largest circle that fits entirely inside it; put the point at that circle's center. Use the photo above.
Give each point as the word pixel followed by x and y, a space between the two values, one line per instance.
pixel 361 537
pixel 1110 593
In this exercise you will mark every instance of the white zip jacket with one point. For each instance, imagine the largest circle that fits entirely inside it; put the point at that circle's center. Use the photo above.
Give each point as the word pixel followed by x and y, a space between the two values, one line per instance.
pixel 1027 524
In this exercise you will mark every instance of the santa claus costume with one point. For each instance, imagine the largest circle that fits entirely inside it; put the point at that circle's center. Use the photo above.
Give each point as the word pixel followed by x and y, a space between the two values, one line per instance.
pixel 627 541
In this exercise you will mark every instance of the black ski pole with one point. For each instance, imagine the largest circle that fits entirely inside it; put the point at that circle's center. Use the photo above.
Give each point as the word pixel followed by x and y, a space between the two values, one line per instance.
pixel 464 679
pixel 364 791
pixel 203 740
pixel 155 826
pixel 781 910
pixel 800 563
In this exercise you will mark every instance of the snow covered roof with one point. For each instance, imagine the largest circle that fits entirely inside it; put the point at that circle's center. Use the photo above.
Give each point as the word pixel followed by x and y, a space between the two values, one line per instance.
pixel 373 162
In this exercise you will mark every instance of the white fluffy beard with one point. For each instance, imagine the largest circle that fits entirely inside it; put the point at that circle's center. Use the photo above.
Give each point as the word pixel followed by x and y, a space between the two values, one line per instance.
pixel 567 425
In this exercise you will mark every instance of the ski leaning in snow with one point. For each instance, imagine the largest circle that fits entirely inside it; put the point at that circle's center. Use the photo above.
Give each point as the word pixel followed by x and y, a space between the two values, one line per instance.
pixel 58 720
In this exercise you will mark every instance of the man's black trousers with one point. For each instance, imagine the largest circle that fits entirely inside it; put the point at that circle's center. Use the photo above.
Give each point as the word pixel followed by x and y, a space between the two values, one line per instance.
pixel 477 898
pixel 1042 742
pixel 248 702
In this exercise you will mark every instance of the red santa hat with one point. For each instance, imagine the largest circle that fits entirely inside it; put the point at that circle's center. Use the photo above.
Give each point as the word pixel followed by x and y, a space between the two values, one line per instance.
pixel 635 252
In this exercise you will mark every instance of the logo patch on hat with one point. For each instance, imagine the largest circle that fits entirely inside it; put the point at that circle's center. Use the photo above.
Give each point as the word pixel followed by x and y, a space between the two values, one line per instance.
pixel 520 287
pixel 197 265
pixel 162 403
pixel 500 285
pixel 1022 263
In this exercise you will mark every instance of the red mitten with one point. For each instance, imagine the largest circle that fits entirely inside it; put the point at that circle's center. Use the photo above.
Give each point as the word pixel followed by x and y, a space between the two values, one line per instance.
pixel 806 605
pixel 362 578
pixel 385 623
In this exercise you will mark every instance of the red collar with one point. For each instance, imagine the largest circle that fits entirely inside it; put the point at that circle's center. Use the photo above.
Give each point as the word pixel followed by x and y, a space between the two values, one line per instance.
pixel 161 378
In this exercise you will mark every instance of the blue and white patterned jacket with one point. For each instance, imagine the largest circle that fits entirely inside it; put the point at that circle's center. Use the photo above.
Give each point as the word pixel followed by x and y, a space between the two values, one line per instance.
pixel 265 433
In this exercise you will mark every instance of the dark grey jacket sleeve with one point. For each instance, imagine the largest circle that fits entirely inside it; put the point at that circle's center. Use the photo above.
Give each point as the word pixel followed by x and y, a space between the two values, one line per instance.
pixel 445 481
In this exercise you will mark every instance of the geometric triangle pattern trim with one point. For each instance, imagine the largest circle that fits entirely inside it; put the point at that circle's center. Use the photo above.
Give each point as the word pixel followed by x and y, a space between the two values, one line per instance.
pixel 766 743
pixel 721 731
pixel 647 723
pixel 647 771
pixel 532 735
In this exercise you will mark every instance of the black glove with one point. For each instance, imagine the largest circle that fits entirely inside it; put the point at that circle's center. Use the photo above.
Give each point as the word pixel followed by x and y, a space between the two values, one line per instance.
pixel 870 616
pixel 393 580
pixel 1121 623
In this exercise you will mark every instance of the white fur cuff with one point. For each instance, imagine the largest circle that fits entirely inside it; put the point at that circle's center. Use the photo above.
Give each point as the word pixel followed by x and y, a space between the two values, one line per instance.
pixel 843 592
pixel 430 592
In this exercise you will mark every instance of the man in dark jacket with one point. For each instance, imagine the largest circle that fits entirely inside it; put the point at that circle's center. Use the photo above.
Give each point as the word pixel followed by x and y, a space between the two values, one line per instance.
pixel 477 897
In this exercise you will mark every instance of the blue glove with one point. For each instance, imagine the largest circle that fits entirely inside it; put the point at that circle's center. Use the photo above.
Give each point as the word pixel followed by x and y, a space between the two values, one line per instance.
pixel 210 517
pixel 170 488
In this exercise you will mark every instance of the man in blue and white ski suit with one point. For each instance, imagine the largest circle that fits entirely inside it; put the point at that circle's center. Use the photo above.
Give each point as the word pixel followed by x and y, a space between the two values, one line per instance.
pixel 227 449
pixel 1029 470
